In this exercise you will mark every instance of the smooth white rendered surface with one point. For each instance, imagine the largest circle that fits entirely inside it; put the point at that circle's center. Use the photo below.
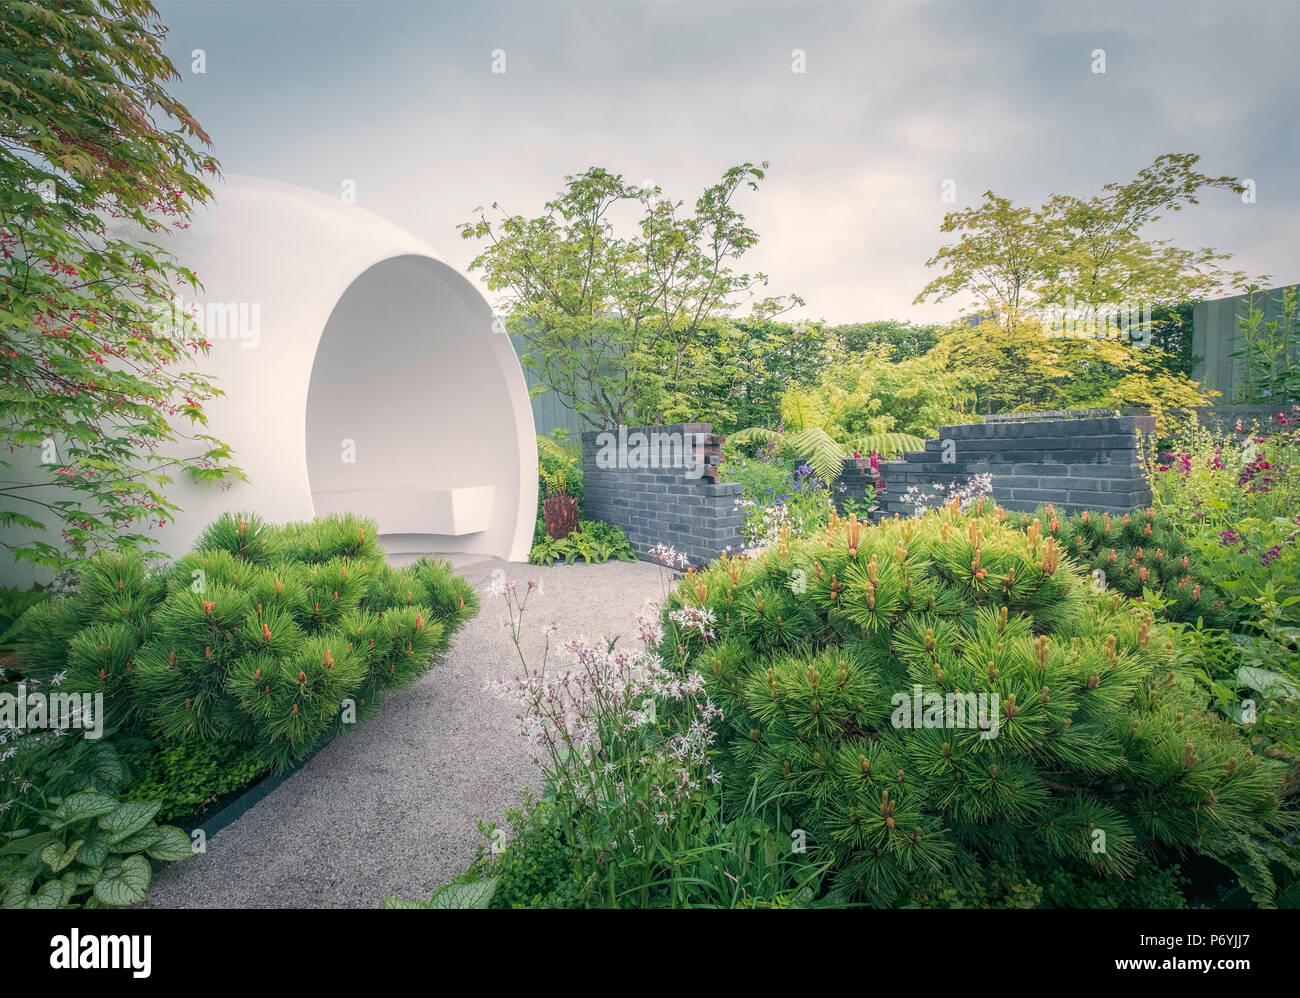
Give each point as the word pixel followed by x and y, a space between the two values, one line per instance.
pixel 362 335
pixel 403 512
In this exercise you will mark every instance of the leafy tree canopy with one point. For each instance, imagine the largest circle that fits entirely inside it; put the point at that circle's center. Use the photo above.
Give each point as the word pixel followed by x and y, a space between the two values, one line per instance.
pixel 93 387
pixel 625 321
pixel 1085 254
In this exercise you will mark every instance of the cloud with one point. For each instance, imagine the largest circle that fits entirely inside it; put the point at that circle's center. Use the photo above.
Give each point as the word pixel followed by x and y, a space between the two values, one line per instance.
pixel 896 99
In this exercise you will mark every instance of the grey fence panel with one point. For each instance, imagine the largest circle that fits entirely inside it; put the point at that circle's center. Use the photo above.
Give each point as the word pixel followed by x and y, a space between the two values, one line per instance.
pixel 1215 338
pixel 550 411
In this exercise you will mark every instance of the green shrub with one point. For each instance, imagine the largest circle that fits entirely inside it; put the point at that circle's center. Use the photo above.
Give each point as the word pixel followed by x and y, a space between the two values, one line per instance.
pixel 1137 552
pixel 1097 750
pixel 1036 884
pixel 13 604
pixel 265 637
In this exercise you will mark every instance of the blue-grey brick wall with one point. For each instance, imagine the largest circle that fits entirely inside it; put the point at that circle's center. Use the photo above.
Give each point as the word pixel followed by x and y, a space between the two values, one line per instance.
pixel 698 516
pixel 1075 463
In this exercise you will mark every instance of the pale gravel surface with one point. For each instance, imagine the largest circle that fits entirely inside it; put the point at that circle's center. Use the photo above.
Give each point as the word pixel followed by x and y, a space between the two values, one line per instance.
pixel 393 807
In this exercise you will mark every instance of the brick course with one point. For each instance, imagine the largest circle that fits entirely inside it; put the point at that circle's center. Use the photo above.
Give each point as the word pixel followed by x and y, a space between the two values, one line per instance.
pixel 696 516
pixel 1076 463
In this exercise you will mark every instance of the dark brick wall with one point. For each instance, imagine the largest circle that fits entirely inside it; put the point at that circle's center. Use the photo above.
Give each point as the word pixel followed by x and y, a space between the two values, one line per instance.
pixel 853 481
pixel 696 516
pixel 1076 463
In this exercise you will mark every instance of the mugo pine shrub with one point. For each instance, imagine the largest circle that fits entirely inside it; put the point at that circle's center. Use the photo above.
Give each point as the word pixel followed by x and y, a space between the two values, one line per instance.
pixel 1064 725
pixel 262 636
pixel 1136 552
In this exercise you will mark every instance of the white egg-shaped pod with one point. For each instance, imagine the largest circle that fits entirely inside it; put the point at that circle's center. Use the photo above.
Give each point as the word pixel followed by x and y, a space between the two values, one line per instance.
pixel 361 374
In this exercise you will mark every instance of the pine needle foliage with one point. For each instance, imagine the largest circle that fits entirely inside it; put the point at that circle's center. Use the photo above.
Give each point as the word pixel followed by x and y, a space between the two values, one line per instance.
pixel 1136 552
pixel 266 636
pixel 1103 754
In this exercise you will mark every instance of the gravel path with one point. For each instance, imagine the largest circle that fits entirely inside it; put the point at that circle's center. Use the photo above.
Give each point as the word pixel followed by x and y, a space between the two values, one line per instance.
pixel 393 807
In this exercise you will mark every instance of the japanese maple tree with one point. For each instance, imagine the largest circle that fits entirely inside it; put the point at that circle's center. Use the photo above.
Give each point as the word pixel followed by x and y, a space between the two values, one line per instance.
pixel 98 397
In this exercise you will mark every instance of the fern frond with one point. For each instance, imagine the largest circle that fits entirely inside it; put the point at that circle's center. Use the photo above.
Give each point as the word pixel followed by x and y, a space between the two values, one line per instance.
pixel 753 435
pixel 819 451
pixel 887 445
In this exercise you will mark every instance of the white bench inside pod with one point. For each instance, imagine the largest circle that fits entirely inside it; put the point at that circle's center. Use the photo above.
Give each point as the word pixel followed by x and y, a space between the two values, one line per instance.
pixel 451 512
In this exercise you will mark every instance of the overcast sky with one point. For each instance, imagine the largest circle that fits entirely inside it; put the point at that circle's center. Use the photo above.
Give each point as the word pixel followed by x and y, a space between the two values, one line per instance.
pixel 400 98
